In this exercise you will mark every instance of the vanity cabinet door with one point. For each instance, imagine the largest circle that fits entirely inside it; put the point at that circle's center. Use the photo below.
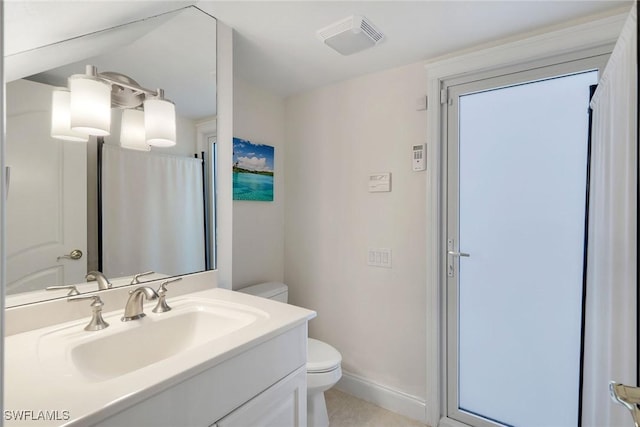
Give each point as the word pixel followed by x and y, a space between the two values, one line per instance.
pixel 281 405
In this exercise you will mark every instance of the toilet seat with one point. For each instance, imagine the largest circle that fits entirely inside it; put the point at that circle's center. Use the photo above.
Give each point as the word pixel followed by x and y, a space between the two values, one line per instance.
pixel 321 357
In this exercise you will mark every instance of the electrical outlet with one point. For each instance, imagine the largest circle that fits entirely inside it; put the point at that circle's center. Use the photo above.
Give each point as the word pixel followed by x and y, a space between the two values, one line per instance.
pixel 380 257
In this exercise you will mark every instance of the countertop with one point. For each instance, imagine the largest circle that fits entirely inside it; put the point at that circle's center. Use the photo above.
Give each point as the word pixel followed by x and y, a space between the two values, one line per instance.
pixel 32 387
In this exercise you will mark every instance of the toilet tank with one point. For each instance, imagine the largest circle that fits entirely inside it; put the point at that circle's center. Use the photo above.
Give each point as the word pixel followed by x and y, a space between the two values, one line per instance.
pixel 271 290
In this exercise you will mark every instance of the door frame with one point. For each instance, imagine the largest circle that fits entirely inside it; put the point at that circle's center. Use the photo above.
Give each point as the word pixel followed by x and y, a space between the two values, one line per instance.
pixel 581 40
pixel 455 89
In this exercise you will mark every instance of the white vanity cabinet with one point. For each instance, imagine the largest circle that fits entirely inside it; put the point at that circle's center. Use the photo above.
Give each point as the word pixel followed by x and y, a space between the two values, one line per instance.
pixel 282 405
pixel 262 386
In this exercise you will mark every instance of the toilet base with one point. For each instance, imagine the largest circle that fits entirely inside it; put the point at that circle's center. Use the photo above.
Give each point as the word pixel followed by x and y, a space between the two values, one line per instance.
pixel 317 415
pixel 317 384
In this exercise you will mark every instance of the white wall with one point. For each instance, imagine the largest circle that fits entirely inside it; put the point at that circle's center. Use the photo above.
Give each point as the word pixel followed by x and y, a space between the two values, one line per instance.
pixel 258 227
pixel 336 136
pixel 224 168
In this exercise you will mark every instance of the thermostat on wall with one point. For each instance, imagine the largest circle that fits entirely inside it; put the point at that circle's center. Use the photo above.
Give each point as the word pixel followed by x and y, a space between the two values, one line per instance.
pixel 419 157
pixel 380 182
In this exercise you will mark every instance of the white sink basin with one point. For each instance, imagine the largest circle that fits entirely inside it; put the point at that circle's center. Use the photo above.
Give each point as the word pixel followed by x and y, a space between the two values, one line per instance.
pixel 125 347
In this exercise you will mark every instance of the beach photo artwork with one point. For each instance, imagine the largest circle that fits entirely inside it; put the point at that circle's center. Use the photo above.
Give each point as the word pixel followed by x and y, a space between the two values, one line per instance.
pixel 252 171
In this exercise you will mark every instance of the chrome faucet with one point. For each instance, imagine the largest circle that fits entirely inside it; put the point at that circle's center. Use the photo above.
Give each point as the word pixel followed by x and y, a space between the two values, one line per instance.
pixel 134 310
pixel 103 282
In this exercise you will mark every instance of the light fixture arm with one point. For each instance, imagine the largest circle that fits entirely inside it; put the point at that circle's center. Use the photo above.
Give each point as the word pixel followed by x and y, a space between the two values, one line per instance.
pixel 135 88
pixel 116 79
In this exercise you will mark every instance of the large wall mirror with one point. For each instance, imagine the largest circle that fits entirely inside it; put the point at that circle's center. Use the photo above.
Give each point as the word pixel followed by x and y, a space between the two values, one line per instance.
pixel 100 205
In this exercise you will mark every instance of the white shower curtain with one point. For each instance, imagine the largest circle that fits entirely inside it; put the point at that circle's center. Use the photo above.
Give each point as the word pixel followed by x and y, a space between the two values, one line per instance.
pixel 152 213
pixel 611 310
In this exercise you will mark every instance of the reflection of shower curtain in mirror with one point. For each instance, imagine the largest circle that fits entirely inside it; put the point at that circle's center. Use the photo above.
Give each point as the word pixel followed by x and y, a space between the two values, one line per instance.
pixel 152 213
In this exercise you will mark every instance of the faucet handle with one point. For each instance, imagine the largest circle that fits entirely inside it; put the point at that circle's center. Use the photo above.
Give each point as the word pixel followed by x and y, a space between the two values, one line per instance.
pixel 162 305
pixel 73 290
pixel 135 280
pixel 163 286
pixel 97 322
pixel 97 302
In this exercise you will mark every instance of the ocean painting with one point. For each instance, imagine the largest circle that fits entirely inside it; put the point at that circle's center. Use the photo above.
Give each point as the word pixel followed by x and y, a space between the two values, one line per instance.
pixel 252 171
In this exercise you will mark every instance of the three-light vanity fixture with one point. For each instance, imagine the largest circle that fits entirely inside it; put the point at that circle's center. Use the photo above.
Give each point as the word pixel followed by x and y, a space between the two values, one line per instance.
pixel 84 109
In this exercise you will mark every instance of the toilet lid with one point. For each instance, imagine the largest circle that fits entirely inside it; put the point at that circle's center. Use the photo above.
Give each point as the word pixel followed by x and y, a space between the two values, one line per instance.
pixel 321 357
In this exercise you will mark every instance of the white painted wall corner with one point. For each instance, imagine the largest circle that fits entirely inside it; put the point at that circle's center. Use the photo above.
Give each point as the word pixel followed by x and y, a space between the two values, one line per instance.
pixel 383 396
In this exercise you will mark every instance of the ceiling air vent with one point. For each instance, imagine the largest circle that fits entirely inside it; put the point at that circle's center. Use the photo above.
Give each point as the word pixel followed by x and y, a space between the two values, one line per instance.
pixel 350 35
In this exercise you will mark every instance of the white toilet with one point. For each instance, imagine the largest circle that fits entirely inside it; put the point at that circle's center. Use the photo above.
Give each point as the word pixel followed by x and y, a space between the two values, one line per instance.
pixel 323 361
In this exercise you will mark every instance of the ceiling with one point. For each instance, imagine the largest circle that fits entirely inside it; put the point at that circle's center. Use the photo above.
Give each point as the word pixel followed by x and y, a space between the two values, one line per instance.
pixel 275 43
pixel 276 47
pixel 151 51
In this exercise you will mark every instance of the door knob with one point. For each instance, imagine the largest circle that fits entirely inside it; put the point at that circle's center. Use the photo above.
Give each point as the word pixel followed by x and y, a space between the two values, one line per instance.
pixel 75 254
pixel 453 253
pixel 451 262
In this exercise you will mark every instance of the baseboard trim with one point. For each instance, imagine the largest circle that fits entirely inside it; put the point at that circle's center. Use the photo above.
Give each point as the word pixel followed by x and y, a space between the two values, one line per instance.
pixel 383 396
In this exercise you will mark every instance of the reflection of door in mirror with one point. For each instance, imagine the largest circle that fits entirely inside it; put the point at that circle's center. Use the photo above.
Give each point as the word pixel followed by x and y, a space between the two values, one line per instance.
pixel 46 206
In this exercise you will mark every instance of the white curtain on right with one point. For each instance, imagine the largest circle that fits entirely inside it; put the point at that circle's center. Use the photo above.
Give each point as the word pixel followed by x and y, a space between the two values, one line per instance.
pixel 611 310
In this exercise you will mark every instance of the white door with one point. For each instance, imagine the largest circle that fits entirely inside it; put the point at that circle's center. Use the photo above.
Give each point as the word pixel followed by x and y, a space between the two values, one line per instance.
pixel 47 199
pixel 516 196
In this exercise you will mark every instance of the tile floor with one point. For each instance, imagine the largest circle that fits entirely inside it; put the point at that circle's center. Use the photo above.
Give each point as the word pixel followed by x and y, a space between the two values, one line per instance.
pixel 348 411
